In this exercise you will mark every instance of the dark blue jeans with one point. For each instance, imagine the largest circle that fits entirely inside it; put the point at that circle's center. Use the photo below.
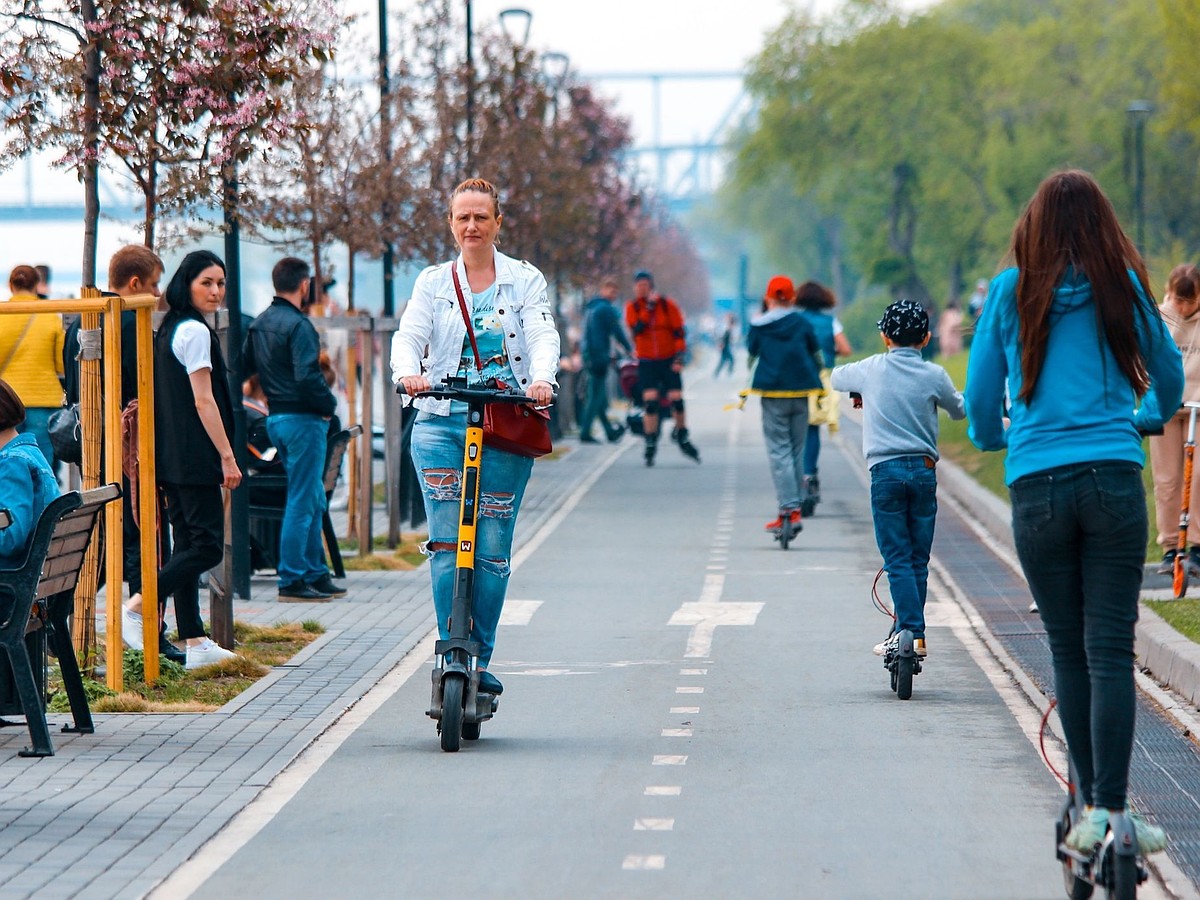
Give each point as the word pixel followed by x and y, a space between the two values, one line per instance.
pixel 301 440
pixel 1081 537
pixel 597 403
pixel 904 507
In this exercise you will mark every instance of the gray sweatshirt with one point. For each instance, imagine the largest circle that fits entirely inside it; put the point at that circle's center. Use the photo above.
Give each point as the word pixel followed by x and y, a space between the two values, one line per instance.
pixel 901 394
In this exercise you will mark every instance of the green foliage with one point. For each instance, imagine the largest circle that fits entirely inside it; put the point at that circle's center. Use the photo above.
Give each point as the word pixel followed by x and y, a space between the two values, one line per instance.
pixel 133 668
pixel 917 138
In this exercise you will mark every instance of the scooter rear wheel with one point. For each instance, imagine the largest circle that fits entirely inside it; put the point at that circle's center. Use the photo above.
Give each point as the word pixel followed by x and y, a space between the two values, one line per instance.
pixel 1124 878
pixel 785 534
pixel 904 677
pixel 1179 581
pixel 1077 888
pixel 452 712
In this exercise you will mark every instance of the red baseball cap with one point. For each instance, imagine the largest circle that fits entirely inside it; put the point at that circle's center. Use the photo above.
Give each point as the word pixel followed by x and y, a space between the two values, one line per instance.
pixel 781 288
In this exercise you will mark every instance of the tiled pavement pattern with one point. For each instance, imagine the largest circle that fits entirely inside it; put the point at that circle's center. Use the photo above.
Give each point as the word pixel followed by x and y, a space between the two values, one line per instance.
pixel 115 812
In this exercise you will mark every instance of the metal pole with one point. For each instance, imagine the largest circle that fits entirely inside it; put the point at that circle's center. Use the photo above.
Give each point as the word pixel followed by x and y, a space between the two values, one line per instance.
pixel 385 131
pixel 1139 182
pixel 470 96
pixel 240 501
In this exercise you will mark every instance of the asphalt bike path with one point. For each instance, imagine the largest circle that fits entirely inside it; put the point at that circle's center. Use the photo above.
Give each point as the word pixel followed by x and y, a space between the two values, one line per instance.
pixel 689 711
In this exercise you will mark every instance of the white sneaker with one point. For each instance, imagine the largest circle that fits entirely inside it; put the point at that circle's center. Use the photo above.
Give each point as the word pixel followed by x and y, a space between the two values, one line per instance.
pixel 205 654
pixel 881 648
pixel 131 629
pixel 1033 607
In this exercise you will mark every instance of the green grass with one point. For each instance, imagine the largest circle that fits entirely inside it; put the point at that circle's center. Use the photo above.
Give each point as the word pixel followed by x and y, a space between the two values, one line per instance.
pixel 201 690
pixel 1182 615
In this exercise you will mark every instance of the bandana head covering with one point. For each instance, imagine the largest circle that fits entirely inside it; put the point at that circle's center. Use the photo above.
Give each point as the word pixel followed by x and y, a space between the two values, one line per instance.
pixel 905 323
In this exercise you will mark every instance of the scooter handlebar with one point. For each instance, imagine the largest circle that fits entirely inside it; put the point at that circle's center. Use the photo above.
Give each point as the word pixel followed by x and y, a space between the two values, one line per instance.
pixel 477 392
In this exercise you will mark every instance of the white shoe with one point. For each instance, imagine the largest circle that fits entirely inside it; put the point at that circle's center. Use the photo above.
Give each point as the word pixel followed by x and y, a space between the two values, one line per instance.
pixel 131 629
pixel 881 648
pixel 205 654
pixel 1033 607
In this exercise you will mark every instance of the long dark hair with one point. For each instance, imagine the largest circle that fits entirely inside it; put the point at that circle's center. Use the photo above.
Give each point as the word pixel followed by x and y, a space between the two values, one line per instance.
pixel 179 291
pixel 1068 227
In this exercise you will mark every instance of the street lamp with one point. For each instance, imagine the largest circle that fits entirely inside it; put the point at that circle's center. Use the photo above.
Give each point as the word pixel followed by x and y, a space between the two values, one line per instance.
pixel 470 95
pixel 1138 112
pixel 516 21
pixel 555 66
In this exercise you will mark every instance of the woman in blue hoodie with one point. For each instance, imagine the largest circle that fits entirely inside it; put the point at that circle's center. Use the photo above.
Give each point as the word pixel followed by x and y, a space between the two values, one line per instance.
pixel 788 370
pixel 27 484
pixel 1071 338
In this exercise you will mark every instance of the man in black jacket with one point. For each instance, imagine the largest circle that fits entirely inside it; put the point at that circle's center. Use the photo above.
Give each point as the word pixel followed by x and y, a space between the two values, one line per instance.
pixel 601 326
pixel 282 347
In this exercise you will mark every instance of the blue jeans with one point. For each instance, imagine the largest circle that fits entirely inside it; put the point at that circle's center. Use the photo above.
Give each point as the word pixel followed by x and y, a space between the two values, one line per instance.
pixel 904 507
pixel 812 449
pixel 785 426
pixel 301 439
pixel 437 452
pixel 1080 533
pixel 597 403
pixel 37 423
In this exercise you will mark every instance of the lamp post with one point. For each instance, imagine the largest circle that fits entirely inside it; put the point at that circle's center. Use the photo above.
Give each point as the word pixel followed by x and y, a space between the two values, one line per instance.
pixel 1138 112
pixel 516 21
pixel 385 90
pixel 470 95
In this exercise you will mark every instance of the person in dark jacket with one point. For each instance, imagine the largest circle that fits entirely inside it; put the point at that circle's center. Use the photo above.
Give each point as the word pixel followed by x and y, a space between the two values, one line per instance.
pixel 283 349
pixel 193 426
pixel 601 327
pixel 787 372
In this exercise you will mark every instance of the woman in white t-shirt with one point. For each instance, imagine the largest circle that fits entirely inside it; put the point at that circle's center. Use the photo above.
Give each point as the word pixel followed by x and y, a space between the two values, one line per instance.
pixel 193 451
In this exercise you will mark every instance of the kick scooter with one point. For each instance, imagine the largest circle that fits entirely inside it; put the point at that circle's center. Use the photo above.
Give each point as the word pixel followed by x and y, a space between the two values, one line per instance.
pixel 786 530
pixel 1180 583
pixel 458 705
pixel 1114 864
pixel 901 660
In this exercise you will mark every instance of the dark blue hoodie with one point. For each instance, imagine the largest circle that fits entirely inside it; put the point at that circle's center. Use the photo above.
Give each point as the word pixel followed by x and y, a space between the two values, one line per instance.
pixel 601 327
pixel 787 351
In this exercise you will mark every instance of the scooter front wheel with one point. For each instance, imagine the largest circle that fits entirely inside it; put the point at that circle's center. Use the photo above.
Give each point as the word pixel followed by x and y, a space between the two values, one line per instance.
pixel 1123 878
pixel 452 712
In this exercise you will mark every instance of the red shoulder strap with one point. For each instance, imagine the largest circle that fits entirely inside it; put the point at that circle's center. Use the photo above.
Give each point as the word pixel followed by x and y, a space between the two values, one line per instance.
pixel 462 307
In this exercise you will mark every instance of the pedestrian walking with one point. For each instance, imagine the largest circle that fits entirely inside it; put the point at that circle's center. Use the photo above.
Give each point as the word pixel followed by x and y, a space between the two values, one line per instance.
pixel 601 329
pixel 193 418
pixel 1071 336
pixel 787 361
pixel 901 395
pixel 518 343
pixel 725 346
pixel 31 359
pixel 949 330
pixel 282 347
pixel 816 303
pixel 1180 310
pixel 660 342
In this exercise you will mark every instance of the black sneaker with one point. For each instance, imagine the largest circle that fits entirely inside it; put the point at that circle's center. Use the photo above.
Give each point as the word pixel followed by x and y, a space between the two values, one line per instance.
pixel 299 592
pixel 326 585
pixel 651 449
pixel 587 439
pixel 167 650
pixel 1167 566
pixel 489 683
pixel 616 434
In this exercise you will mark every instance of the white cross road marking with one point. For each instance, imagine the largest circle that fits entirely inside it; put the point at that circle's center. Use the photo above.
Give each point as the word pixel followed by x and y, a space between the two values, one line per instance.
pixel 670 761
pixel 677 732
pixel 653 824
pixel 693 671
pixel 714 584
pixel 684 710
pixel 663 790
pixel 704 617
pixel 645 863
pixel 689 690
pixel 519 612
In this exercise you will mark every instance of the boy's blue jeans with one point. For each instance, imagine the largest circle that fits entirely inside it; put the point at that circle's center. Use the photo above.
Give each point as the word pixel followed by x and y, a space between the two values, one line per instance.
pixel 437 453
pixel 301 440
pixel 1080 533
pixel 904 507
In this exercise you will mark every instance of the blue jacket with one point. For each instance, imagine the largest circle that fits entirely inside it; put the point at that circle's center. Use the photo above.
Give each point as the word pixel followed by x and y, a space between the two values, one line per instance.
pixel 27 485
pixel 601 326
pixel 822 323
pixel 787 352
pixel 1084 408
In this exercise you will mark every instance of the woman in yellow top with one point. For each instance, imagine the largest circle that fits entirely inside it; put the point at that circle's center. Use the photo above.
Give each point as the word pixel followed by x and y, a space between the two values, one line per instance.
pixel 31 348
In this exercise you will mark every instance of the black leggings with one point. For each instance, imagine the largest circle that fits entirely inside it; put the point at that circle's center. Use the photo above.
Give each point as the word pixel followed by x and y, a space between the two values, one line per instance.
pixel 197 516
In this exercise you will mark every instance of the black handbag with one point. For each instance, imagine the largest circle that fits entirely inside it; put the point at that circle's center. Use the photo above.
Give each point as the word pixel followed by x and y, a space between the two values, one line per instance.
pixel 66 434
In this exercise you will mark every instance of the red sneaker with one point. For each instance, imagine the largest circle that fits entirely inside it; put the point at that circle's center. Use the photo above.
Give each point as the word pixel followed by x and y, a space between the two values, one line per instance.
pixel 774 525
pixel 794 518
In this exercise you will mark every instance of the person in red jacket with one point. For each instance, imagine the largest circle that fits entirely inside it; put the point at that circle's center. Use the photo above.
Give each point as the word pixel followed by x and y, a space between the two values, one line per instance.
pixel 660 343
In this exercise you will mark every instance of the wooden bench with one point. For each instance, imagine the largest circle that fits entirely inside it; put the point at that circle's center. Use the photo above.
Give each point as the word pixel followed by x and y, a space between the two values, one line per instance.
pixel 274 487
pixel 41 593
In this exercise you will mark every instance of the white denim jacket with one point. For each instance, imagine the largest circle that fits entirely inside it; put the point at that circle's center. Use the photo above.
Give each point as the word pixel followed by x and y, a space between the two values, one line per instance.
pixel 431 334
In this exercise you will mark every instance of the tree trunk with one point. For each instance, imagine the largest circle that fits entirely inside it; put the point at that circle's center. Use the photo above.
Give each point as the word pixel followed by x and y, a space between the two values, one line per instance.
pixel 150 198
pixel 350 276
pixel 91 144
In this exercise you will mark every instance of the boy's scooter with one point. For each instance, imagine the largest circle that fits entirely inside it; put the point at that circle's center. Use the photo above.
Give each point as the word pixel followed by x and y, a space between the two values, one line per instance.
pixel 1180 583
pixel 458 705
pixel 901 660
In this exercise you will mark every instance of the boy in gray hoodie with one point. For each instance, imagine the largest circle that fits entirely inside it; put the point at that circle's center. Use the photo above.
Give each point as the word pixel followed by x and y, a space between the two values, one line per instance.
pixel 901 394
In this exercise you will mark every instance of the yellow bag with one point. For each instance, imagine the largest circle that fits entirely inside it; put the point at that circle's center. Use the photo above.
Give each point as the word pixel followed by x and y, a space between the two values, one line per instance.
pixel 823 407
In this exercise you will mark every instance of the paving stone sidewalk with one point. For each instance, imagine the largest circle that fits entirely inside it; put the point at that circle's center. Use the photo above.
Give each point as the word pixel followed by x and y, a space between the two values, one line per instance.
pixel 115 812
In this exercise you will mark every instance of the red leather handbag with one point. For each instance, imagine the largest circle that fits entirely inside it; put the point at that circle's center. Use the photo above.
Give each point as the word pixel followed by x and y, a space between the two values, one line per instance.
pixel 518 428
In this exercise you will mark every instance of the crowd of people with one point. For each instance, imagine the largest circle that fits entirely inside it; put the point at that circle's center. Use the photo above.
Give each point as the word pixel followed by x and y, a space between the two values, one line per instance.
pixel 1071 363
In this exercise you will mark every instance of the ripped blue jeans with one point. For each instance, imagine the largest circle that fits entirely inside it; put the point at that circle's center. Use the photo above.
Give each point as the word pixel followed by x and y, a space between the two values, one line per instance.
pixel 437 453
